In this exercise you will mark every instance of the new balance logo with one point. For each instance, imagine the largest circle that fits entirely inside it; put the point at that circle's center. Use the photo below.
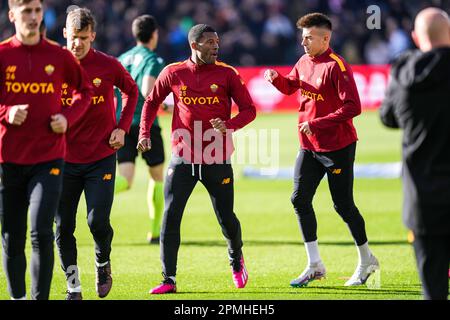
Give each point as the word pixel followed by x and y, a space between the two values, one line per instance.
pixel 226 181
pixel 336 171
pixel 107 176
pixel 11 69
pixel 55 171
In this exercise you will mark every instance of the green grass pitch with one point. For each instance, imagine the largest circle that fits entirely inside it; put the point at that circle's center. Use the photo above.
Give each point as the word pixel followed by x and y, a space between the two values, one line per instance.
pixel 273 248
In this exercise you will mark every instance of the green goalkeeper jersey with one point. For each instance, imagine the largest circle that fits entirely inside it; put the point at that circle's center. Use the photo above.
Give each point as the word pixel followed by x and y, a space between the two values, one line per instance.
pixel 139 62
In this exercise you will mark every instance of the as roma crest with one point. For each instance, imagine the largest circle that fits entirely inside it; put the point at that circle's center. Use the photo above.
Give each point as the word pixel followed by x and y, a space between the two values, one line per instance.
pixel 214 87
pixel 97 82
pixel 49 69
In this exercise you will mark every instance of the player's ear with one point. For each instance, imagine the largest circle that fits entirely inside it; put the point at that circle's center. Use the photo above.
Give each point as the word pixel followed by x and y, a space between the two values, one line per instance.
pixel 11 16
pixel 155 34
pixel 327 36
pixel 415 39
pixel 93 34
pixel 194 45
pixel 65 32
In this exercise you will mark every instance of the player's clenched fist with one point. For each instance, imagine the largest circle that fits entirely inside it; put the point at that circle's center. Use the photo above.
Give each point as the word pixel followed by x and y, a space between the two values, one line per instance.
pixel 144 144
pixel 304 127
pixel 218 125
pixel 117 139
pixel 58 123
pixel 18 114
pixel 270 75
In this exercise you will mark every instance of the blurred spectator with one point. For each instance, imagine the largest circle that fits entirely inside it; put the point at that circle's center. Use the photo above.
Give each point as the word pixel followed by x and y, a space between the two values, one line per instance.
pixel 376 50
pixel 252 32
pixel 351 52
pixel 397 37
pixel 277 23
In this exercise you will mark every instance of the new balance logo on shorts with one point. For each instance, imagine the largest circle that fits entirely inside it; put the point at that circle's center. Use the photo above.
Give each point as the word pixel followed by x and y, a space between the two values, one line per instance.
pixel 107 176
pixel 55 171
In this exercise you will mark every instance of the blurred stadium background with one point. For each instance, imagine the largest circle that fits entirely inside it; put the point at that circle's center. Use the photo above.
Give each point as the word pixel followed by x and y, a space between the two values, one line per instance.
pixel 255 34
pixel 251 31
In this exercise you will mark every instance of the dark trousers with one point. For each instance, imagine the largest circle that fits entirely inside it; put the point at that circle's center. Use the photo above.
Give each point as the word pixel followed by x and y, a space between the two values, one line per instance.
pixel 36 188
pixel 180 181
pixel 310 168
pixel 97 181
pixel 433 258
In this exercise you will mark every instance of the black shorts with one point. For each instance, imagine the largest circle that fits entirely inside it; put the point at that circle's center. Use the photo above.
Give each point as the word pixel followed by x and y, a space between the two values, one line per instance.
pixel 153 157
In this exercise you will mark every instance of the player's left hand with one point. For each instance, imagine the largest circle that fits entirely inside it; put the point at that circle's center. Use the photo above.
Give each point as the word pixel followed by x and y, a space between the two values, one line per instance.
pixel 144 144
pixel 304 128
pixel 270 75
pixel 117 139
pixel 219 125
pixel 58 123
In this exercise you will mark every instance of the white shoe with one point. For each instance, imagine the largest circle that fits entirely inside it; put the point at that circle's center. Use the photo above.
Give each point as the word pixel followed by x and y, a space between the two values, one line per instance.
pixel 312 272
pixel 363 272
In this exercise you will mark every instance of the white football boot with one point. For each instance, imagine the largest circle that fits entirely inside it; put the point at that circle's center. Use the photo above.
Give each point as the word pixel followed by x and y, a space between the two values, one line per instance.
pixel 363 272
pixel 312 272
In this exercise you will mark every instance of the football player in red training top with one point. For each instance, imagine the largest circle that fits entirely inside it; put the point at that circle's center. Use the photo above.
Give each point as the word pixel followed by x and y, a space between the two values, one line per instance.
pixel 91 153
pixel 328 102
pixel 202 89
pixel 32 143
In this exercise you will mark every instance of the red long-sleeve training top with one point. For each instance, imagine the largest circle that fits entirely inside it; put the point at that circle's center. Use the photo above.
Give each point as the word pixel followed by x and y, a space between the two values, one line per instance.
pixel 88 139
pixel 34 74
pixel 328 100
pixel 201 93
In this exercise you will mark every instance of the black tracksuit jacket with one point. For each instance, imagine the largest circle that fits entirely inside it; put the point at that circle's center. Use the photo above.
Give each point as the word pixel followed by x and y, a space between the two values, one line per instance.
pixel 418 101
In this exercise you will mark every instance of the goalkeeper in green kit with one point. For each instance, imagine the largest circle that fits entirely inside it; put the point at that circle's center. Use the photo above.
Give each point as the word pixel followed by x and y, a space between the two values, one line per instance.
pixel 144 65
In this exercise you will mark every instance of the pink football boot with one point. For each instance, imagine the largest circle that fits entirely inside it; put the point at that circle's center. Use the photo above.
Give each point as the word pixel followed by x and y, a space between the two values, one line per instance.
pixel 166 286
pixel 240 275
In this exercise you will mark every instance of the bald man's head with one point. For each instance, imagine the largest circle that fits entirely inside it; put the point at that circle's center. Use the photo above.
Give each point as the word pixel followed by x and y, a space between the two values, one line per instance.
pixel 431 29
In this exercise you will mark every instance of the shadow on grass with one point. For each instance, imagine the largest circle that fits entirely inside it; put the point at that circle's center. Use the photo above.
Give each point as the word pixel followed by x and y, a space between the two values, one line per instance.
pixel 362 290
pixel 331 290
pixel 222 243
pixel 216 243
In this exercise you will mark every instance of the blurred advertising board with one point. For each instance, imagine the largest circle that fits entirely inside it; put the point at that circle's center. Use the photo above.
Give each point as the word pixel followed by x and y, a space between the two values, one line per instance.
pixel 371 81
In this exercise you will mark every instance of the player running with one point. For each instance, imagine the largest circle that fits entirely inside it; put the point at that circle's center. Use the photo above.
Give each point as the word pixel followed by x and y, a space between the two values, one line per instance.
pixel 32 144
pixel 328 102
pixel 202 89
pixel 91 154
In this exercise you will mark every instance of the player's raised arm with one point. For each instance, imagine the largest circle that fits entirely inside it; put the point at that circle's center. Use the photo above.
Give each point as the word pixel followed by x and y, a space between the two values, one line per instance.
pixel 129 91
pixel 240 95
pixel 287 85
pixel 150 108
pixel 349 102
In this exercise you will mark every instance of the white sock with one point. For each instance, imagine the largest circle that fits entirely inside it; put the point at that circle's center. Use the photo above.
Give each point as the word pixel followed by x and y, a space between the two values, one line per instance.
pixel 101 264
pixel 173 279
pixel 23 298
pixel 364 253
pixel 312 250
pixel 71 289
